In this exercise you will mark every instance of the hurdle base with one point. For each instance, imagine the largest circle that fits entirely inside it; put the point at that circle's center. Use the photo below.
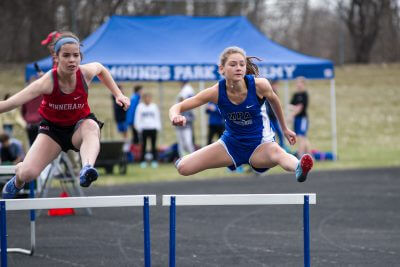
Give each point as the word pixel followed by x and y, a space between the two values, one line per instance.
pixel 21 251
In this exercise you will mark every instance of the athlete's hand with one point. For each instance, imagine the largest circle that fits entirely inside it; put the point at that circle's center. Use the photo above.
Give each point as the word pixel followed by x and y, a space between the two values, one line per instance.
pixel 179 120
pixel 123 101
pixel 290 136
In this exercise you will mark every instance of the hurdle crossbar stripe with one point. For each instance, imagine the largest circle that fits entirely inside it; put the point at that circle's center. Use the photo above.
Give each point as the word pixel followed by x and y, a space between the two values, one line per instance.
pixel 7 169
pixel 238 199
pixel 79 202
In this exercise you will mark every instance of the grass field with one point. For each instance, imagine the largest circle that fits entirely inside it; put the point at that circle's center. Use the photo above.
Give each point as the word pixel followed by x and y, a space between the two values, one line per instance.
pixel 368 118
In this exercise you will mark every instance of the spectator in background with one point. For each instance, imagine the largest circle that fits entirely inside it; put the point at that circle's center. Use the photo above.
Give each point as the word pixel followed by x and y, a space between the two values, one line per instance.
pixel 216 124
pixel 49 42
pixel 130 114
pixel 276 127
pixel 31 115
pixel 120 116
pixel 184 133
pixel 11 150
pixel 148 123
pixel 10 119
pixel 186 92
pixel 299 104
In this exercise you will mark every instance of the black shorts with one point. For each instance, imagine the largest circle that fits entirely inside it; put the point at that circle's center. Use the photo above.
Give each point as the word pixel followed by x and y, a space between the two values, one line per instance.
pixel 62 135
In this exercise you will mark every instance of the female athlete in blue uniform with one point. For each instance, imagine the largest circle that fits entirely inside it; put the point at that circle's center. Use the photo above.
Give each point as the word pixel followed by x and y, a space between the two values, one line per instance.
pixel 248 137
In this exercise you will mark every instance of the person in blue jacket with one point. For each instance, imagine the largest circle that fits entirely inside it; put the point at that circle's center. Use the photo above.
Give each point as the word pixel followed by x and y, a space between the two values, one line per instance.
pixel 216 124
pixel 248 138
pixel 130 114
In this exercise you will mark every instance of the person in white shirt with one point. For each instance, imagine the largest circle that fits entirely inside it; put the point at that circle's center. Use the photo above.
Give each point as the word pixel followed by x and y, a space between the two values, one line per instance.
pixel 148 123
pixel 185 134
pixel 186 91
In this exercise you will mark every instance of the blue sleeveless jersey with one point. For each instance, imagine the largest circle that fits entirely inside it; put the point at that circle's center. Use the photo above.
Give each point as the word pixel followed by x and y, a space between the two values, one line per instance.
pixel 247 121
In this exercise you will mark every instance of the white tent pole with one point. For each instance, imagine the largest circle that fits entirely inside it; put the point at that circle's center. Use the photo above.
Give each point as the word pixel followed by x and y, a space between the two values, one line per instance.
pixel 286 98
pixel 333 119
pixel 203 119
pixel 161 106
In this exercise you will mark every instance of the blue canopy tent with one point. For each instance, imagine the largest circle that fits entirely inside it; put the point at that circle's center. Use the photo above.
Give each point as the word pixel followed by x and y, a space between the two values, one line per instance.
pixel 175 48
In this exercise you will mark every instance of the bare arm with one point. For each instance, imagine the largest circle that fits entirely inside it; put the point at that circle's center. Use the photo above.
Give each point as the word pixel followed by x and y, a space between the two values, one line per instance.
pixel 296 109
pixel 44 85
pixel 264 89
pixel 207 95
pixel 96 69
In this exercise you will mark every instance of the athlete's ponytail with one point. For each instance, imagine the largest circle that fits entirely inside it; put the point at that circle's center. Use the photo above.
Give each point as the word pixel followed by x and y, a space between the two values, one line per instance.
pixel 251 67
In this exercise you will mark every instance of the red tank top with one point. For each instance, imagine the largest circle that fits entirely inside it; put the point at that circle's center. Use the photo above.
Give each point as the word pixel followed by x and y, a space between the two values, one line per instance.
pixel 66 109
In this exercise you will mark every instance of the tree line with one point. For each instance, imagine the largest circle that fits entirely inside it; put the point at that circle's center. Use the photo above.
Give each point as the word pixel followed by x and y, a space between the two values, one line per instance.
pixel 345 31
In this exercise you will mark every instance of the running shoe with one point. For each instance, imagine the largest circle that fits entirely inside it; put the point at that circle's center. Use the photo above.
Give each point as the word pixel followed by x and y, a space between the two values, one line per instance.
pixel 304 166
pixel 10 190
pixel 87 175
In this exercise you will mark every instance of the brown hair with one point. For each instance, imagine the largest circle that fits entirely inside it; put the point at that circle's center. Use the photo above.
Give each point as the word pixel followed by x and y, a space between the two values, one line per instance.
pixel 251 68
pixel 4 137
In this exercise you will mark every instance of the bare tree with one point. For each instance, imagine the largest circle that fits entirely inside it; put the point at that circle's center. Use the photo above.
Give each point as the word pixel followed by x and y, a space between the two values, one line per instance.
pixel 362 18
pixel 387 47
pixel 362 30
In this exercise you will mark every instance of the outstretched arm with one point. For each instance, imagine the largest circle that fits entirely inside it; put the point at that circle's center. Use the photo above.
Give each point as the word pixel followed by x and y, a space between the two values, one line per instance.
pixel 264 89
pixel 207 95
pixel 96 69
pixel 41 86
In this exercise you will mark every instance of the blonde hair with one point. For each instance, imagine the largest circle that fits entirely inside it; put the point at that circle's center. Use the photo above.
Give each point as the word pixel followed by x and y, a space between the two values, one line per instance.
pixel 251 67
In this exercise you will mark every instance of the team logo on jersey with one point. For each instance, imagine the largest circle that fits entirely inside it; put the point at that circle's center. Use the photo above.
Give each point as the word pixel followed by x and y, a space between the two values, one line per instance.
pixel 69 106
pixel 240 118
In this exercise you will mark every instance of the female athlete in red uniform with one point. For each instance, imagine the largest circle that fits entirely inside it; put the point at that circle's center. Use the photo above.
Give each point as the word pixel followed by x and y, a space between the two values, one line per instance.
pixel 67 120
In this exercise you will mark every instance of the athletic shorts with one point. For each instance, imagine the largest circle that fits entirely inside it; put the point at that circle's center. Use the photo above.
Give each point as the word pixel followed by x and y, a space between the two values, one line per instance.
pixel 122 126
pixel 62 135
pixel 301 125
pixel 241 152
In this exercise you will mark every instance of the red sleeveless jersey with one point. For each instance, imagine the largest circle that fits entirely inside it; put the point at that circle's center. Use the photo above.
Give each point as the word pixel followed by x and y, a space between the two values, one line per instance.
pixel 66 109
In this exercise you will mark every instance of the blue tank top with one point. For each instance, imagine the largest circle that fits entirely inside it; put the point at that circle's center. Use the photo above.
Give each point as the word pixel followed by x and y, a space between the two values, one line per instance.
pixel 247 121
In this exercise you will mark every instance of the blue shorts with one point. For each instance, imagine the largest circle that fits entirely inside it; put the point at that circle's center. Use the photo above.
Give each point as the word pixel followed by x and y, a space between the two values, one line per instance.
pixel 240 152
pixel 301 125
pixel 122 127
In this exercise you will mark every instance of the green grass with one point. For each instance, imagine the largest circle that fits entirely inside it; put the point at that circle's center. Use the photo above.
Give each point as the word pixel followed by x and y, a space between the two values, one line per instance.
pixel 368 119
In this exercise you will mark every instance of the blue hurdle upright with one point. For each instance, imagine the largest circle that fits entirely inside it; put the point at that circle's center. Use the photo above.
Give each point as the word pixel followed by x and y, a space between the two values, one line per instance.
pixel 238 199
pixel 77 202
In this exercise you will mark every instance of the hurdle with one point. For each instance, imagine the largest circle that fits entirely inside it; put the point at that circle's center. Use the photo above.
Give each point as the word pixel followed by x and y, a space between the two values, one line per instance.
pixel 238 199
pixel 78 202
pixel 10 170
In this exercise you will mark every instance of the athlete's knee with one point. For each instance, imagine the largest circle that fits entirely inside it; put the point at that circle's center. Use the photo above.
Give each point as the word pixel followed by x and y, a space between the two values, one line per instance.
pixel 277 154
pixel 90 126
pixel 25 172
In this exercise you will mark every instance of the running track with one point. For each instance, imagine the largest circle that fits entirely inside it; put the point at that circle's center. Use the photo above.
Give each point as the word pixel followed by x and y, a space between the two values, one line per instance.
pixel 356 222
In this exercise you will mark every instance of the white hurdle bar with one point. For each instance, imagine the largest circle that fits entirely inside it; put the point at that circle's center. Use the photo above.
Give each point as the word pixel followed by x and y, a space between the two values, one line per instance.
pixel 239 199
pixel 9 170
pixel 78 202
